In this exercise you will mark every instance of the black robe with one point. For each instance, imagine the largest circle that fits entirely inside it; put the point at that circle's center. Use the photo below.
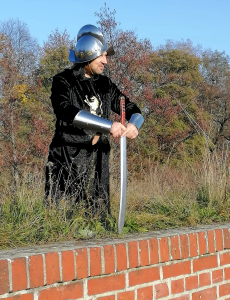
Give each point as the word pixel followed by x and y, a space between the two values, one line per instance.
pixel 76 169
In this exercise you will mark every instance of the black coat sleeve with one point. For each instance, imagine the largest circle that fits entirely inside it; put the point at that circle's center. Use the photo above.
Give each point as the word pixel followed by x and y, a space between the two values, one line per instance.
pixel 130 107
pixel 61 100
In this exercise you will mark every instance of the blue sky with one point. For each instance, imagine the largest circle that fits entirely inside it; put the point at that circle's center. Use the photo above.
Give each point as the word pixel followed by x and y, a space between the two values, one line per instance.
pixel 204 22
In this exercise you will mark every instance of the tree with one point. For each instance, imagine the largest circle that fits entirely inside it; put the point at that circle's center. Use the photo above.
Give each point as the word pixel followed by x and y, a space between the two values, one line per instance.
pixel 54 57
pixel 131 54
pixel 215 93
pixel 165 84
pixel 24 46
pixel 18 104
pixel 171 102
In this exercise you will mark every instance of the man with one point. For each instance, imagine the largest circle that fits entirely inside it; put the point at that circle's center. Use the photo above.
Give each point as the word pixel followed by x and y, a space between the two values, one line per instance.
pixel 82 100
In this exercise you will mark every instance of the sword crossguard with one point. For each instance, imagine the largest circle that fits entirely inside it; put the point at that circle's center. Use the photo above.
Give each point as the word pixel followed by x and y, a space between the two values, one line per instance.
pixel 122 108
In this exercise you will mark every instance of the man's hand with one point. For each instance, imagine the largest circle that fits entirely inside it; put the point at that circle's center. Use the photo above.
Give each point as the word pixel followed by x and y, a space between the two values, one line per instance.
pixel 96 138
pixel 117 130
pixel 131 131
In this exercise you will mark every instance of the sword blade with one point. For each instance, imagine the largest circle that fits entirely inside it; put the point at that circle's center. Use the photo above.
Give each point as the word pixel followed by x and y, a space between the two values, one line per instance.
pixel 123 186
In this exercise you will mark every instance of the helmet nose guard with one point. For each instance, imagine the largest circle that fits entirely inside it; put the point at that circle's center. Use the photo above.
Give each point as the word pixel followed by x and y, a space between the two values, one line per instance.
pixel 90 45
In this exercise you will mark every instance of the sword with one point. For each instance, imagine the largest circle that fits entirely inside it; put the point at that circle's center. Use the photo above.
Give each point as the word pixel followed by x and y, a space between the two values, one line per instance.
pixel 123 161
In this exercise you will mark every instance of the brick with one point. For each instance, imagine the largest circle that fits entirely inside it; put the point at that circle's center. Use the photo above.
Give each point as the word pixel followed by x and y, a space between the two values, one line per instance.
pixel 211 244
pixel 107 298
pixel 177 286
pixel 70 291
pixel 204 279
pixel 36 271
pixel 109 259
pixel 175 251
pixel 161 290
pixel 217 276
pixel 106 284
pixel 121 257
pixel 133 254
pixel 4 277
pixel 19 276
pixel 184 246
pixel 227 273
pixel 81 263
pixel 52 267
pixel 143 253
pixel 209 294
pixel 154 253
pixel 68 271
pixel 193 244
pixel 145 293
pixel 191 283
pixel 185 297
pixel 126 296
pixel 164 249
pixel 225 259
pixel 177 269
pixel 226 238
pixel 144 276
pixel 219 240
pixel 202 242
pixel 95 261
pixel 204 263
pixel 21 297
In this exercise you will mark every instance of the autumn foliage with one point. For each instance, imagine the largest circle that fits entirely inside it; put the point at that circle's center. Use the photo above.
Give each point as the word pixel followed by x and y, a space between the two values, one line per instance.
pixel 178 167
pixel 183 92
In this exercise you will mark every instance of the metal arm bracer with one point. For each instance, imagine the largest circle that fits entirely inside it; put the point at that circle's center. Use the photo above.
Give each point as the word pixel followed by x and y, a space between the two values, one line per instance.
pixel 86 120
pixel 137 120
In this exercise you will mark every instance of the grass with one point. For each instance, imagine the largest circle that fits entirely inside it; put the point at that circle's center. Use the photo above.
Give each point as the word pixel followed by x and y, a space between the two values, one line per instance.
pixel 160 197
pixel 169 197
pixel 26 220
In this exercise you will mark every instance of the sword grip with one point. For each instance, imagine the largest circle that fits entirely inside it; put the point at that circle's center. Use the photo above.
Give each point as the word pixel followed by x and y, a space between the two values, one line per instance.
pixel 122 109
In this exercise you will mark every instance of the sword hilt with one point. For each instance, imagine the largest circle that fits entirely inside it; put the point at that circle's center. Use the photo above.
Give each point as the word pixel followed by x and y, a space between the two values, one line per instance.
pixel 122 108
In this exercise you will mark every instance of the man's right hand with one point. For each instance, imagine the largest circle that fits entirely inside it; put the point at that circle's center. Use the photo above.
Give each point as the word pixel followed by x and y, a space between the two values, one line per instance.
pixel 117 130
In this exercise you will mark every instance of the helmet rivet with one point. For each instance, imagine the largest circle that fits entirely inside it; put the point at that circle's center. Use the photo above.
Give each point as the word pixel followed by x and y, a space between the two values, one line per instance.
pixel 89 52
pixel 81 54
pixel 76 53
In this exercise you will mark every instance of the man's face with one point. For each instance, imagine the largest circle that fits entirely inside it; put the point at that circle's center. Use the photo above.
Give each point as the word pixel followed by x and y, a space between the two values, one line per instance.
pixel 97 65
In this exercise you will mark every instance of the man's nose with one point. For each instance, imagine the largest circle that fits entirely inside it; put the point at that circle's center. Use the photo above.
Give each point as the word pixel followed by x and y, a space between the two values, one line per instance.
pixel 104 60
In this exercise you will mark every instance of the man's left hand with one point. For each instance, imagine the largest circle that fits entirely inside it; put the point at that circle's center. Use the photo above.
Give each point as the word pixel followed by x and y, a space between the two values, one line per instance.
pixel 131 131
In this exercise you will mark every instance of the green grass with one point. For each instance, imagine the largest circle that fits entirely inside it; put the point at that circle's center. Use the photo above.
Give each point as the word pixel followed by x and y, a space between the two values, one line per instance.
pixel 160 197
pixel 24 222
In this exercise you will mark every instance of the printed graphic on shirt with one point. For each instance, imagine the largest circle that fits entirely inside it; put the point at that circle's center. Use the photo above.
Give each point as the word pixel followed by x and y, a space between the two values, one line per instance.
pixel 95 105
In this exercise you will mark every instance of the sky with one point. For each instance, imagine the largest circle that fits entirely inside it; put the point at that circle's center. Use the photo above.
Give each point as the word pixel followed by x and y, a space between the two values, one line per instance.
pixel 204 22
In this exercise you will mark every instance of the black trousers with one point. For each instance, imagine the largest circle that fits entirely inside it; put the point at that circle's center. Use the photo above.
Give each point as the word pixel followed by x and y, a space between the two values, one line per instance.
pixel 81 174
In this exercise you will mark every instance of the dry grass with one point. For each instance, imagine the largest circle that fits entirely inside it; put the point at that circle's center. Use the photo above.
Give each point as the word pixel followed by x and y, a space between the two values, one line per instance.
pixel 161 196
pixel 164 196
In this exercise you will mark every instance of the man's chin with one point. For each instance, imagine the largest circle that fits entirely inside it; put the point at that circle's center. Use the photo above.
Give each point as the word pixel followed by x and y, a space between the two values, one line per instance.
pixel 99 71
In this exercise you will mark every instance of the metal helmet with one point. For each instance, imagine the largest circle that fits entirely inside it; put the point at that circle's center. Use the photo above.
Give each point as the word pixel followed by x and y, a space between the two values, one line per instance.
pixel 90 45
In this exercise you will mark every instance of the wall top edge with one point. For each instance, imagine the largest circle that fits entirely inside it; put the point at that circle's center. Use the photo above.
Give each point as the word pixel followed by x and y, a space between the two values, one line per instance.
pixel 72 245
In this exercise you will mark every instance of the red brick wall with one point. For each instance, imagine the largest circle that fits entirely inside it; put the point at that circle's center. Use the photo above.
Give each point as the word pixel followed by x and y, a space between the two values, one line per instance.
pixel 184 264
